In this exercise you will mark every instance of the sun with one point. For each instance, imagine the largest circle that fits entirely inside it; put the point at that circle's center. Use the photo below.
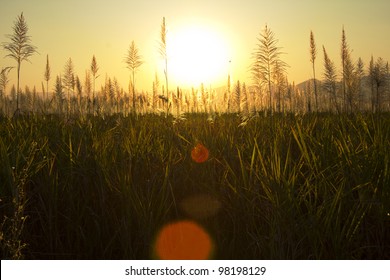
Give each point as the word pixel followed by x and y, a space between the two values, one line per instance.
pixel 197 54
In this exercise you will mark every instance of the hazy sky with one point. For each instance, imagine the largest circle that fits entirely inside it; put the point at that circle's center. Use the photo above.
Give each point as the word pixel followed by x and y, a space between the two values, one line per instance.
pixel 82 28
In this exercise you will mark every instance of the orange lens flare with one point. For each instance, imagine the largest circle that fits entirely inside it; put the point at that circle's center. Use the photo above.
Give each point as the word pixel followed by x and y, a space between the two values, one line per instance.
pixel 199 153
pixel 183 240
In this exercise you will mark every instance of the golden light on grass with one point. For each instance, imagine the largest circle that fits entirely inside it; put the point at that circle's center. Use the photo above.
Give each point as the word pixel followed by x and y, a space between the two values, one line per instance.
pixel 183 240
pixel 199 153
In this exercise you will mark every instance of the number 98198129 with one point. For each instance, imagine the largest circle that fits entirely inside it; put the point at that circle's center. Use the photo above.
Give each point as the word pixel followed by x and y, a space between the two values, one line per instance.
pixel 241 270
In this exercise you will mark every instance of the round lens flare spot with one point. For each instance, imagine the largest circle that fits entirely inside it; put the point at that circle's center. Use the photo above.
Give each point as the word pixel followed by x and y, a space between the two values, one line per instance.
pixel 200 206
pixel 183 240
pixel 199 153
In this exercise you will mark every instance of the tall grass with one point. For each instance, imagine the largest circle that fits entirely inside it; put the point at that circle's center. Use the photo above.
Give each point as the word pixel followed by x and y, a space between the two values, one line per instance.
pixel 290 187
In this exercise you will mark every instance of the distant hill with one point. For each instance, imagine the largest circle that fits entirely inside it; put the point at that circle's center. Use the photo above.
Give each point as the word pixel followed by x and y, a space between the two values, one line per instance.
pixel 304 85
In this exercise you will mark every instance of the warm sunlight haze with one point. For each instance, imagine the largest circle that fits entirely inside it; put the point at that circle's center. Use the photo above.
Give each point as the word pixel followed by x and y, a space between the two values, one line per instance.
pixel 207 40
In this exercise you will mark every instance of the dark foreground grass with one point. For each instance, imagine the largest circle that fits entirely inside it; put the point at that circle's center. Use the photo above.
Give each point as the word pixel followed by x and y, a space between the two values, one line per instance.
pixel 281 187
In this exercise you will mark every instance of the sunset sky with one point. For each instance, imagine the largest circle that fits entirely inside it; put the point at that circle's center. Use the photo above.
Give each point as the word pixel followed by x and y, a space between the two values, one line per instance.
pixel 202 34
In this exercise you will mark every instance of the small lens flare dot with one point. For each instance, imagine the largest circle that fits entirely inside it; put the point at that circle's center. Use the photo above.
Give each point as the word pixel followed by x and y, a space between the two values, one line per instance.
pixel 199 153
pixel 183 240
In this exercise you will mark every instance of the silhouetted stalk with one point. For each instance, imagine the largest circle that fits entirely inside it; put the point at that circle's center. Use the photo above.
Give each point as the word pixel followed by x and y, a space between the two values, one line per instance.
pixel 313 54
pixel 94 70
pixel 47 78
pixel 19 49
pixel 133 61
pixel 164 55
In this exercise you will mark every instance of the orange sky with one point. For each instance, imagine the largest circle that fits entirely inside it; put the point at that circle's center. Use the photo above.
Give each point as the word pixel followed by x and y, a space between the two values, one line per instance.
pixel 81 29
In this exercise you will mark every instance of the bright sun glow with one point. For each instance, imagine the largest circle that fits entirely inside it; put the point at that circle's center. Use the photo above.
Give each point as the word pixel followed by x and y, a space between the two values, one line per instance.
pixel 197 54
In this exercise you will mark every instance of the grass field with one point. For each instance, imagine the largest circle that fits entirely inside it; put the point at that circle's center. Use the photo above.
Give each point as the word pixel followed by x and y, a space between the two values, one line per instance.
pixel 314 186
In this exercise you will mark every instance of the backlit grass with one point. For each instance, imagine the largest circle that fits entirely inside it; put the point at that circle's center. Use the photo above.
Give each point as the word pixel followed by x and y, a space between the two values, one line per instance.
pixel 281 187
